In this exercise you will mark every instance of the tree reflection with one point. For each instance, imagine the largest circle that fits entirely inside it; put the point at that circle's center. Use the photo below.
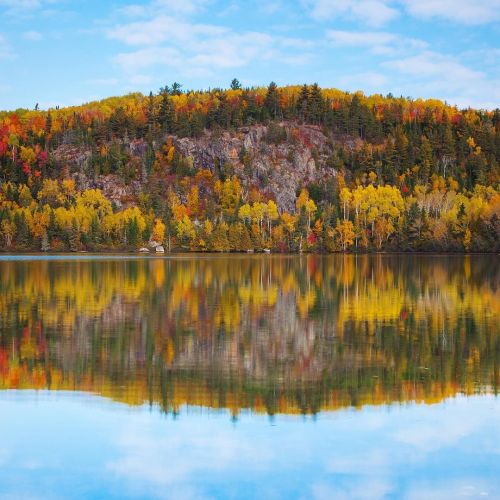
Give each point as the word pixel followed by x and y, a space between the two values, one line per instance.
pixel 273 334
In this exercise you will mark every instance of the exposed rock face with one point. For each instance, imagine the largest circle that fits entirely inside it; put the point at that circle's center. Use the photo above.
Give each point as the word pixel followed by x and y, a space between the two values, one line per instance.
pixel 277 166
pixel 278 169
pixel 68 154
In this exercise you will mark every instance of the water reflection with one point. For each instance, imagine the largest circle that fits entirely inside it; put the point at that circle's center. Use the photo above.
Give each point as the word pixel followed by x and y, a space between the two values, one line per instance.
pixel 295 334
pixel 67 445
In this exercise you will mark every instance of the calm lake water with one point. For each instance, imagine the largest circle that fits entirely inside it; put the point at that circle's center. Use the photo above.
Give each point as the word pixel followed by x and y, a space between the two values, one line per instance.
pixel 249 376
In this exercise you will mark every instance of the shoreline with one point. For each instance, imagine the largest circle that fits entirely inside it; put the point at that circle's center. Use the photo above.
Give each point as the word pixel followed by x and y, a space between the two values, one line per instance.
pixel 136 253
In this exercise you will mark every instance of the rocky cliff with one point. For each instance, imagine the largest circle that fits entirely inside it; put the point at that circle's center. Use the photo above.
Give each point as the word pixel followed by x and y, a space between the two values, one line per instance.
pixel 278 160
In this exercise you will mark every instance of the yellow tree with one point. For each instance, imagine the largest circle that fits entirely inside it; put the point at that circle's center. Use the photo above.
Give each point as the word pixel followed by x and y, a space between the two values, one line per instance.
pixel 24 194
pixel 229 194
pixel 271 215
pixel 91 200
pixel 307 204
pixel 159 231
pixel 289 223
pixel 245 212
pixel 185 229
pixel 345 200
pixel 345 233
pixel 258 211
pixel 193 202
pixel 49 193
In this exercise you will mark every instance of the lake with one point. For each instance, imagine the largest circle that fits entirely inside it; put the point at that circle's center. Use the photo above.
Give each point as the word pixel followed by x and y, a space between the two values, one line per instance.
pixel 249 376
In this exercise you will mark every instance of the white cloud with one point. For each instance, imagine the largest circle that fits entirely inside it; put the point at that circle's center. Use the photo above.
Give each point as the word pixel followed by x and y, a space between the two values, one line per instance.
pixel 133 11
pixel 164 7
pixel 379 12
pixel 180 7
pixel 161 461
pixel 431 74
pixel 462 11
pixel 24 8
pixel 221 52
pixel 162 29
pixel 378 42
pixel 198 48
pixel 361 38
pixel 34 36
pixel 459 488
pixel 235 50
pixel 20 4
pixel 432 64
pixel 371 12
pixel 489 57
pixel 150 56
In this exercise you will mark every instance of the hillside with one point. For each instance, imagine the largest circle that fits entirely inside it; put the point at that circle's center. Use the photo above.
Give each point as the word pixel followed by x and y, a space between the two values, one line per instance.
pixel 290 168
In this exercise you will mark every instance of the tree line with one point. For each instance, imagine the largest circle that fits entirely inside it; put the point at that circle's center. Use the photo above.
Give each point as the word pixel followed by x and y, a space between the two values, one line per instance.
pixel 412 174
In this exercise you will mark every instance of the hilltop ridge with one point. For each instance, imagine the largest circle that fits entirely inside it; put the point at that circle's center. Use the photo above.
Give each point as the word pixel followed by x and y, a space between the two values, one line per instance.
pixel 288 168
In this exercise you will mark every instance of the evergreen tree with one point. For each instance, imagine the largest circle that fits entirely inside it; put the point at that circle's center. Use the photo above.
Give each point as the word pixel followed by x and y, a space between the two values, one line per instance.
pixel 250 110
pixel 389 161
pixel 426 159
pixel 223 115
pixel 150 113
pixel 118 122
pixel 94 232
pixel 22 233
pixel 166 113
pixel 132 233
pixel 316 105
pixel 196 124
pixel 475 168
pixel 410 235
pixel 271 102
pixel 401 145
pixel 354 126
pixel 183 126
pixel 74 237
pixel 235 84
pixel 303 104
pixel 176 88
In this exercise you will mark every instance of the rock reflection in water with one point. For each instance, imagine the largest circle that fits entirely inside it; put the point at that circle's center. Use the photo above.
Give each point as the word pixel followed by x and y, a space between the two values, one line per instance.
pixel 291 334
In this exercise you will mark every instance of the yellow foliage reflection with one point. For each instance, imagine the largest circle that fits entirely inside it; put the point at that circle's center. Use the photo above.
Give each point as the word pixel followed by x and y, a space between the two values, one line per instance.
pixel 272 333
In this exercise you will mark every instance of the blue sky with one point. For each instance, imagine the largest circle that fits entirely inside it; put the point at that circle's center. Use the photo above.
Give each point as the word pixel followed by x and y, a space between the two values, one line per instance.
pixel 63 52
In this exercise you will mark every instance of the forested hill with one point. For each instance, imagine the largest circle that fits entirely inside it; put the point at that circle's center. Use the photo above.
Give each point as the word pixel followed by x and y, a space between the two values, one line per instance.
pixel 281 168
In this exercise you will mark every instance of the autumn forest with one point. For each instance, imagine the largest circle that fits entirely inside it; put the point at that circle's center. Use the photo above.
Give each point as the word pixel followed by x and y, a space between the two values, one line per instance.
pixel 282 169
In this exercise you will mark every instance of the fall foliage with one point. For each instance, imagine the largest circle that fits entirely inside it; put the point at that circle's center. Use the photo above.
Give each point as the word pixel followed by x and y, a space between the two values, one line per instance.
pixel 292 334
pixel 408 174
